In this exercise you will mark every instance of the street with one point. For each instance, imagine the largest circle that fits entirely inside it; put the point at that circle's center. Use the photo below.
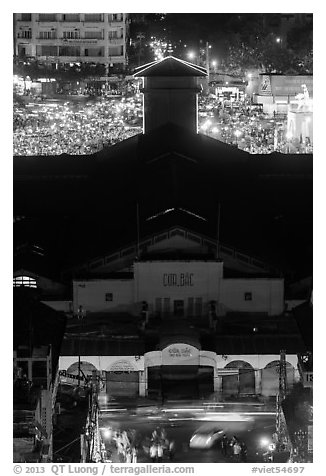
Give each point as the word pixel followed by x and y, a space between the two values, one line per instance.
pixel 180 422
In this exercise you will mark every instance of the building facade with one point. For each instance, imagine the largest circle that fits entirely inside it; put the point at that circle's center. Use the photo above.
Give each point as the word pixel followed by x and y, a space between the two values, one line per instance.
pixel 72 37
pixel 180 289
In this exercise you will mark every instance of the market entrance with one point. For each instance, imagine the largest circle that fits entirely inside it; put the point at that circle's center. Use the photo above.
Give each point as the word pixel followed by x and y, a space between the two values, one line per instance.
pixel 180 381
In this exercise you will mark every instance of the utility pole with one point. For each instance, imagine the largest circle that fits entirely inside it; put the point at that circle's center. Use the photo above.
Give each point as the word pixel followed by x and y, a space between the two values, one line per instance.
pixel 207 60
pixel 138 231
pixel 280 421
pixel 218 231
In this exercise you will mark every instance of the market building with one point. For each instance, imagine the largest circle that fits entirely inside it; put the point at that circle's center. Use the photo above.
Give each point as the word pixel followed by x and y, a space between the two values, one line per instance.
pixel 179 249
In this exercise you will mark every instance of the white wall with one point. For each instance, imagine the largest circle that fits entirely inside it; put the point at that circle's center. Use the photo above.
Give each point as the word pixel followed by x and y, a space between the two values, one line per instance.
pixel 177 280
pixel 267 295
pixel 91 295
pixel 104 362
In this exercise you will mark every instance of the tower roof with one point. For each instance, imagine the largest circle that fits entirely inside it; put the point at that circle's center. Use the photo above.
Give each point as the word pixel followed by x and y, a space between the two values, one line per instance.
pixel 170 66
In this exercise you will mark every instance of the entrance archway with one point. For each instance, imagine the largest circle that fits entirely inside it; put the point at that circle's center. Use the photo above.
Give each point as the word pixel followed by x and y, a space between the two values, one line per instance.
pixel 122 379
pixel 270 377
pixel 242 382
pixel 86 369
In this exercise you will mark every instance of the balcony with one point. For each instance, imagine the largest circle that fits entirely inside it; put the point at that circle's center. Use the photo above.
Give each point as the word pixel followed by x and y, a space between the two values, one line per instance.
pixel 41 39
pixel 116 41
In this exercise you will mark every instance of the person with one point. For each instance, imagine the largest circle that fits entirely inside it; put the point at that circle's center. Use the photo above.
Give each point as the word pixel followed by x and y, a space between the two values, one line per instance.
pixel 159 452
pixel 236 451
pixel 243 453
pixel 134 455
pixel 128 455
pixel 224 445
pixel 171 450
pixel 153 452
pixel 155 436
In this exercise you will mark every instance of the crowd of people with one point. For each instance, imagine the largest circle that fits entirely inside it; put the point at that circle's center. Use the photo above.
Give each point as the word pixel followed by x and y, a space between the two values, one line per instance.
pixel 57 127
pixel 234 448
pixel 85 127
pixel 246 126
pixel 159 447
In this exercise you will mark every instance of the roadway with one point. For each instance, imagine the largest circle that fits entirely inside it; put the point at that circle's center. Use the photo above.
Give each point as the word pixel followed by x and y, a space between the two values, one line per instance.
pixel 181 421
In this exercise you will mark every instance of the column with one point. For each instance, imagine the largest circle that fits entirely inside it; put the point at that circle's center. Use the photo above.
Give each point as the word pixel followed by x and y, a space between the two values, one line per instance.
pixel 258 385
pixel 143 384
pixel 217 382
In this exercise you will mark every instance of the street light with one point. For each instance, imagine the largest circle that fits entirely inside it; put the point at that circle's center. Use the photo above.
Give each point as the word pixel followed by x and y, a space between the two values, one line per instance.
pixel 237 134
pixel 191 55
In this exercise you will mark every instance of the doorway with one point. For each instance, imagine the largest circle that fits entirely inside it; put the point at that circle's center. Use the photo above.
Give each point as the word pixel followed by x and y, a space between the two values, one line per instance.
pixel 178 308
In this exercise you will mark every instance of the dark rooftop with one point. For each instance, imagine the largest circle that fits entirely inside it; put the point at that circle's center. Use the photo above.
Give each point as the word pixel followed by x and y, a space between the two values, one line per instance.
pixel 266 200
pixel 170 66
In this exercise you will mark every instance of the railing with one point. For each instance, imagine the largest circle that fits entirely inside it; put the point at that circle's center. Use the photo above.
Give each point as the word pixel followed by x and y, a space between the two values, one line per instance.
pixel 205 241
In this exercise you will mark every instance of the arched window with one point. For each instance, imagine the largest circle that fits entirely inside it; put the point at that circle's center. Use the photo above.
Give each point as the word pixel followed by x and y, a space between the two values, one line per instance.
pixel 26 281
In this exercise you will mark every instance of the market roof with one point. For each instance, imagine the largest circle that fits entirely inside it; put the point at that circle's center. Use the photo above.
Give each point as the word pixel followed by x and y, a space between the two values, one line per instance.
pixel 170 66
pixel 258 344
pixel 72 203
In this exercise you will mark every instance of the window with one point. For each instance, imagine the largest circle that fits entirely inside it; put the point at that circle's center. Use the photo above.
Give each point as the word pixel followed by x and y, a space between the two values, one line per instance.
pixel 71 17
pixel 94 52
pixel 26 16
pixel 248 296
pixel 25 281
pixel 190 306
pixel 166 306
pixel 71 35
pixel 116 50
pixel 46 50
pixel 48 35
pixel 158 306
pixel 98 35
pixel 198 306
pixel 115 34
pixel 69 51
pixel 109 297
pixel 93 17
pixel 115 17
pixel 27 34
pixel 47 17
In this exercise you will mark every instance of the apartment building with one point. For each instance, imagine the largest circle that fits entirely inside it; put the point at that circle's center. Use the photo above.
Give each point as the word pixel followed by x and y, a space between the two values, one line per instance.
pixel 72 37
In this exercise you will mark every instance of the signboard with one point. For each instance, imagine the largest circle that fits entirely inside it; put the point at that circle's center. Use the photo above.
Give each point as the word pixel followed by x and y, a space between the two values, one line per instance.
pixel 122 366
pixel 307 379
pixel 284 85
pixel 227 372
pixel 180 354
pixel 265 86
pixel 67 377
pixel 178 279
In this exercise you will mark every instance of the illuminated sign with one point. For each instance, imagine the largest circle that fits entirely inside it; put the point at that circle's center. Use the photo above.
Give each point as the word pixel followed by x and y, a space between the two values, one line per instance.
pixel 63 373
pixel 178 279
pixel 177 352
pixel 307 379
pixel 184 354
